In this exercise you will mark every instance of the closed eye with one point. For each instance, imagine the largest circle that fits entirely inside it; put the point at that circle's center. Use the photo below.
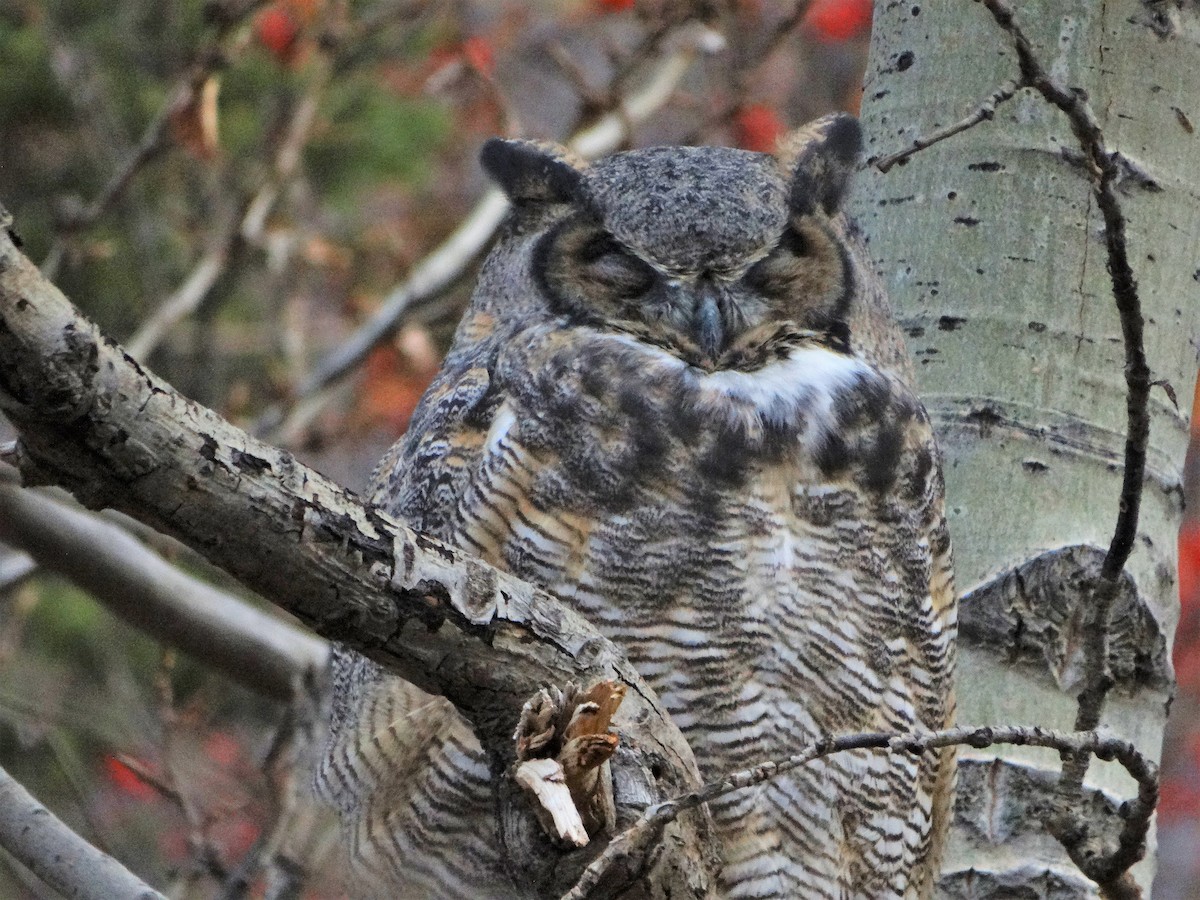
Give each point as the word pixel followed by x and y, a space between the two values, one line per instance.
pixel 614 270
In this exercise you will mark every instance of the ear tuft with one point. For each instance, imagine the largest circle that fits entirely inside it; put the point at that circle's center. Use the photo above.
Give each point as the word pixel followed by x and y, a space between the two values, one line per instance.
pixel 531 170
pixel 821 157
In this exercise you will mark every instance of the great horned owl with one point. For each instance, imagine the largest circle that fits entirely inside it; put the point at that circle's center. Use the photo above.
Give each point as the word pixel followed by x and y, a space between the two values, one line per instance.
pixel 678 402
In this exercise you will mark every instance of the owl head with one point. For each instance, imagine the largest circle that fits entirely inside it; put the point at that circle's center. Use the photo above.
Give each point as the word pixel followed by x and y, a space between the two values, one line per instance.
pixel 707 252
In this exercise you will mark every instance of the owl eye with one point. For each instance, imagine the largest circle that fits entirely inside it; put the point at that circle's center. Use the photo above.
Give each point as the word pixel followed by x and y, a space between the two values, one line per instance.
pixel 612 269
pixel 774 274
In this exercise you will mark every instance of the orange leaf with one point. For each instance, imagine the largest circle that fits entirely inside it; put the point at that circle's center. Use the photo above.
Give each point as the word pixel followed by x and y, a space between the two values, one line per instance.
pixel 194 124
pixel 395 378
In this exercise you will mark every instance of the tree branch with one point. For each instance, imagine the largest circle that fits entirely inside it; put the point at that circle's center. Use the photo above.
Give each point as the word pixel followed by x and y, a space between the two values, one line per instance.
pixel 222 631
pixel 57 855
pixel 1131 841
pixel 93 420
pixel 984 112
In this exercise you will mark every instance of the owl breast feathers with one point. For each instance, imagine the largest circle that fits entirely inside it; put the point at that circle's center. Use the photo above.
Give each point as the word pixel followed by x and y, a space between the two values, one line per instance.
pixel 678 402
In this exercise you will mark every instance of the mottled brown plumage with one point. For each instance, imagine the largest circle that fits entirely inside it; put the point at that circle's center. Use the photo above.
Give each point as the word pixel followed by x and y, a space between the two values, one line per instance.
pixel 678 402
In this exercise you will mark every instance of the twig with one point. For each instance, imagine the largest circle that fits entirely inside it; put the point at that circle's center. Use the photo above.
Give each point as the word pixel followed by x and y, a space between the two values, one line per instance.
pixel 206 853
pixel 66 758
pixel 453 257
pixel 1105 170
pixel 760 56
pixel 59 856
pixel 983 113
pixel 244 227
pixel 284 770
pixel 637 838
pixel 148 777
pixel 590 97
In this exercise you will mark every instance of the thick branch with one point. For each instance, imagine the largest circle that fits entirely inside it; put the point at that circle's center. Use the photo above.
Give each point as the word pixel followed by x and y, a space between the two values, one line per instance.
pixel 59 856
pixel 93 420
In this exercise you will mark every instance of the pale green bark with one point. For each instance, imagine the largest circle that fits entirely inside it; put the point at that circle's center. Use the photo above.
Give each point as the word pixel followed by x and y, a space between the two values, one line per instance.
pixel 992 248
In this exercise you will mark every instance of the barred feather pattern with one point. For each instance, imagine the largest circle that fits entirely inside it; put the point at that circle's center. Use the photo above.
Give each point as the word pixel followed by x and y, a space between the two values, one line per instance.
pixel 768 602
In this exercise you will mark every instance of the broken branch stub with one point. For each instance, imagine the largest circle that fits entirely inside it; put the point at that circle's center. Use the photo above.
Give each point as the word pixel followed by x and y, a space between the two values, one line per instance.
pixel 563 745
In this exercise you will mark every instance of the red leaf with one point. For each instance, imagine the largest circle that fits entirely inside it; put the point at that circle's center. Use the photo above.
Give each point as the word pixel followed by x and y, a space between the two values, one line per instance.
pixel 835 21
pixel 276 29
pixel 757 127
pixel 1189 566
pixel 477 51
pixel 612 6
pixel 127 781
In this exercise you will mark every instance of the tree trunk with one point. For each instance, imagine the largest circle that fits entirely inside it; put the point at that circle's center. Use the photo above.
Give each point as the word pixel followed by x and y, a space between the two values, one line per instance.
pixel 993 248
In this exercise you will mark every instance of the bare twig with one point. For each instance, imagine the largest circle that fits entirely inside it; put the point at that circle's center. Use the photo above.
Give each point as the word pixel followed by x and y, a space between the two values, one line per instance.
pixel 750 63
pixel 149 777
pixel 634 840
pixel 286 770
pixel 246 226
pixel 205 852
pixel 983 113
pixel 59 856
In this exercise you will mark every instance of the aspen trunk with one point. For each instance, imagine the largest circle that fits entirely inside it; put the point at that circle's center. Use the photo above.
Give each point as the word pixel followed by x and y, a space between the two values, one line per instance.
pixel 992 248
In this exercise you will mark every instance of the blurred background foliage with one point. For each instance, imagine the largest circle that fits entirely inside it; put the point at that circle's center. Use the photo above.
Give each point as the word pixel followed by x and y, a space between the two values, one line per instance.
pixel 270 172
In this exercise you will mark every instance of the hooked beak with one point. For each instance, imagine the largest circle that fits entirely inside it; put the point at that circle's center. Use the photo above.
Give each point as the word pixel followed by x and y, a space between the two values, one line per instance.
pixel 706 322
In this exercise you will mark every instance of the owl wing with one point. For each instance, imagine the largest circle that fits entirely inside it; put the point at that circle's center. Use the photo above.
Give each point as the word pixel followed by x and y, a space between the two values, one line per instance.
pixel 403 768
pixel 930 624
pixel 600 479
